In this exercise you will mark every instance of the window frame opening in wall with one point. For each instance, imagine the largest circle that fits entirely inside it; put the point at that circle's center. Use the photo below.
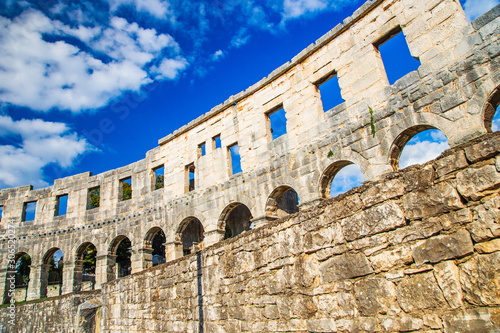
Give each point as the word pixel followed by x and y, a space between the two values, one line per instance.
pixel 190 178
pixel 328 87
pixel 158 179
pixel 26 209
pixel 1 212
pixel 202 149
pixel 90 194
pixel 393 40
pixel 277 114
pixel 125 191
pixel 234 164
pixel 216 142
pixel 61 210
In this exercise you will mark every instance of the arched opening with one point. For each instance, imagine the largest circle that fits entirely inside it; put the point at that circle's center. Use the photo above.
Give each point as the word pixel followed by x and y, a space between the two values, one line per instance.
pixel 155 247
pixel 236 219
pixel 492 112
pixel 121 252
pixel 417 145
pixel 52 273
pixel 17 279
pixel 339 178
pixel 191 235
pixel 283 201
pixel 85 265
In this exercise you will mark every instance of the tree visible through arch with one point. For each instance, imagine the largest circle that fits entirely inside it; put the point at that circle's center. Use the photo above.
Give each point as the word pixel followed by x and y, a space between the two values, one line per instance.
pixel 18 276
pixel 283 201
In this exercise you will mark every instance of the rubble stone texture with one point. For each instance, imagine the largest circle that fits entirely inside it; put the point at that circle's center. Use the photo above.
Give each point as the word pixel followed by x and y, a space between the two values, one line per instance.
pixel 410 250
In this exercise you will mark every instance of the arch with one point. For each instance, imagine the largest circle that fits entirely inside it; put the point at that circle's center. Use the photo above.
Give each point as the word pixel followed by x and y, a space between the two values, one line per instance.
pixel 52 273
pixel 191 234
pixel 329 174
pixel 155 241
pixel 489 109
pixel 235 219
pixel 85 267
pixel 402 139
pixel 119 257
pixel 282 201
pixel 17 278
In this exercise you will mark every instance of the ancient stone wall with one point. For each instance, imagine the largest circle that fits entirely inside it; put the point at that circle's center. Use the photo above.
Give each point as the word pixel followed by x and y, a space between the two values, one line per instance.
pixel 455 89
pixel 416 251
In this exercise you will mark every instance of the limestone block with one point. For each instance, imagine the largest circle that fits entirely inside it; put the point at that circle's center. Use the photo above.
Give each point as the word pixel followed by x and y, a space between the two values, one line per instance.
pixel 344 266
pixel 444 247
pixel 418 292
pixel 485 223
pixel 396 256
pixel 374 295
pixel 402 324
pixel 471 182
pixel 441 198
pixel 447 275
pixel 483 150
pixel 382 192
pixel 321 325
pixel 488 247
pixel 450 163
pixel 371 221
pixel 480 278
pixel 336 305
pixel 472 321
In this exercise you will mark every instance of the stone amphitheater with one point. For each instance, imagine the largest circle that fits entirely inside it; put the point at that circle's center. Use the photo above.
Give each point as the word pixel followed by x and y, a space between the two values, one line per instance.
pixel 266 249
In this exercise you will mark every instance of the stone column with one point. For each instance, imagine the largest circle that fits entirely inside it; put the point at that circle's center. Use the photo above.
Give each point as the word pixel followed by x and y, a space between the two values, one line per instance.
pixel 212 237
pixel 68 278
pixel 173 250
pixel 141 259
pixel 4 284
pixel 38 281
pixel 77 275
pixel 105 269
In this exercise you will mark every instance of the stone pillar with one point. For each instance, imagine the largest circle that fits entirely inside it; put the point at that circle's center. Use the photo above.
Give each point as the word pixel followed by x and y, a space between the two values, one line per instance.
pixel 38 281
pixel 68 278
pixel 105 269
pixel 141 259
pixel 77 275
pixel 259 221
pixel 173 250
pixel 212 237
pixel 4 284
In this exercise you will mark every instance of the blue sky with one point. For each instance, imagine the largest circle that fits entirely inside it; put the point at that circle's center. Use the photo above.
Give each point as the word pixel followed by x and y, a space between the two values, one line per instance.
pixel 92 85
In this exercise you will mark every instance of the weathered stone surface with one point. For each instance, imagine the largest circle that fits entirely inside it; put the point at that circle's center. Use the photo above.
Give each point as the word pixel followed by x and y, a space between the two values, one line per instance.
pixel 396 256
pixel 472 321
pixel 374 295
pixel 480 277
pixel 474 183
pixel 443 247
pixel 403 324
pixel 374 220
pixel 486 220
pixel 417 230
pixel 488 247
pixel 448 278
pixel 382 192
pixel 419 292
pixel 345 266
pixel 441 198
pixel 450 163
pixel 483 150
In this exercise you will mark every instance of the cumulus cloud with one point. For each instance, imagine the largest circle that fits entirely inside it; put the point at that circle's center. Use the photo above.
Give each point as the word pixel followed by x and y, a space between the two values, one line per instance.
pixel 156 8
pixel 347 178
pixel 42 74
pixel 475 8
pixel 219 54
pixel 296 8
pixel 40 143
pixel 421 149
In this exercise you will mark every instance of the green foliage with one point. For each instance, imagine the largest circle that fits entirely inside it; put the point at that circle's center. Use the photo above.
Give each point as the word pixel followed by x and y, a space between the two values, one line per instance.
pixel 228 233
pixel 330 154
pixel 127 191
pixel 23 267
pixel 88 257
pixel 95 198
pixel 372 123
pixel 123 252
pixel 159 182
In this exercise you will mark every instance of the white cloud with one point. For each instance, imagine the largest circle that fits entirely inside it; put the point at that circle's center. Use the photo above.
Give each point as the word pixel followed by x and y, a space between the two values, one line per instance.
pixel 169 68
pixel 219 54
pixel 42 75
pixel 475 8
pixel 421 152
pixel 41 144
pixel 296 8
pixel 347 178
pixel 156 8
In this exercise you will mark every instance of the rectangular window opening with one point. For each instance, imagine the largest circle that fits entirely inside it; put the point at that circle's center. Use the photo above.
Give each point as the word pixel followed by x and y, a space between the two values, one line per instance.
pixel 216 142
pixel 158 179
pixel 61 205
pixel 93 197
pixel 126 189
pixel 201 149
pixel 1 213
pixel 396 55
pixel 330 92
pixel 276 123
pixel 234 159
pixel 29 211
pixel 190 177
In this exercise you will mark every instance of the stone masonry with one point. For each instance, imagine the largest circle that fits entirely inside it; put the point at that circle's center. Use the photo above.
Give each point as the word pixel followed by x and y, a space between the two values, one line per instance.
pixel 412 250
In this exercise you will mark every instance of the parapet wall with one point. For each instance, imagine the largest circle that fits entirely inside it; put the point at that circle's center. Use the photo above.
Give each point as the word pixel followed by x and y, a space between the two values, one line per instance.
pixel 454 90
pixel 417 251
